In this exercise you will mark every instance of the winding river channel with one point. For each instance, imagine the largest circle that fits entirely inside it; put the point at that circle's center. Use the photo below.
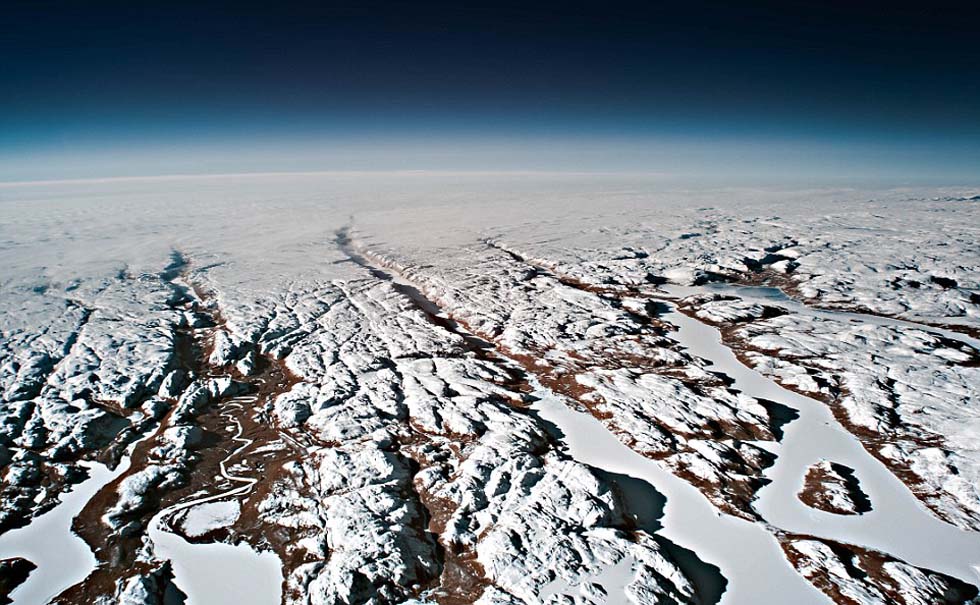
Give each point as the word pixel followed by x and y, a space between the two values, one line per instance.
pixel 209 574
pixel 218 573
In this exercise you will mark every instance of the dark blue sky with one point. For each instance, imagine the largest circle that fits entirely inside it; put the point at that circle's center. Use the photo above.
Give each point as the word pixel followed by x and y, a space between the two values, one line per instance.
pixel 104 88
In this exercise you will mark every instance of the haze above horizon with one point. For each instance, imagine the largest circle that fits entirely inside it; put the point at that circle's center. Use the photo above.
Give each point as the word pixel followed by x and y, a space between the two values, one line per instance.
pixel 801 92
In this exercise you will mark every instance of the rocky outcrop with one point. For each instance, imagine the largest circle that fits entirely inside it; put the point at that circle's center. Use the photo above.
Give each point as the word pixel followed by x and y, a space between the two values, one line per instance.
pixel 834 488
pixel 13 572
pixel 853 575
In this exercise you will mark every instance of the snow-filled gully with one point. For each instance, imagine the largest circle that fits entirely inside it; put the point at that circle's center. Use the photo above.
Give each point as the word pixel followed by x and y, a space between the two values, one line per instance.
pixel 924 540
pixel 219 573
pixel 209 574
pixel 748 555
pixel 775 296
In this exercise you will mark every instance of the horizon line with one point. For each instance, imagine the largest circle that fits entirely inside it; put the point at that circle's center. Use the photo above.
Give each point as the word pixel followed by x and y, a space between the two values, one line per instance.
pixel 301 173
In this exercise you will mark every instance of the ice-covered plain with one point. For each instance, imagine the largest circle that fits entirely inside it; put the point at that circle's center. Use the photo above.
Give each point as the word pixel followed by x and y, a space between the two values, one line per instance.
pixel 487 388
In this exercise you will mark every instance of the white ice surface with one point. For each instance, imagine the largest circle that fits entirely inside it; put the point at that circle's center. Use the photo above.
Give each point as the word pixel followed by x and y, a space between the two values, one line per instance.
pixel 612 579
pixel 62 558
pixel 923 540
pixel 203 518
pixel 689 519
pixel 219 574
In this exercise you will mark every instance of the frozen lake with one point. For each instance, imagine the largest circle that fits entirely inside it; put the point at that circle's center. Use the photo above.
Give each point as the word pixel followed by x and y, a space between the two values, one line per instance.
pixel 62 558
pixel 689 519
pixel 816 435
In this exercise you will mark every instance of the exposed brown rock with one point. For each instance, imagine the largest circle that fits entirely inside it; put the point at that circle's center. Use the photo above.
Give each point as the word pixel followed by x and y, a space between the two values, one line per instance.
pixel 13 572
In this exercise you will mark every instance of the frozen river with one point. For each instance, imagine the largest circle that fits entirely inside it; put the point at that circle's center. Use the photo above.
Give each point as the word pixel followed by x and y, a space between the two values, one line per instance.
pixel 816 435
pixel 747 554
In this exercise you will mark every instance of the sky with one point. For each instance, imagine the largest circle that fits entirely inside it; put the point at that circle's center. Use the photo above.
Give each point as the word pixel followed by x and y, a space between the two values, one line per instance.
pixel 796 91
